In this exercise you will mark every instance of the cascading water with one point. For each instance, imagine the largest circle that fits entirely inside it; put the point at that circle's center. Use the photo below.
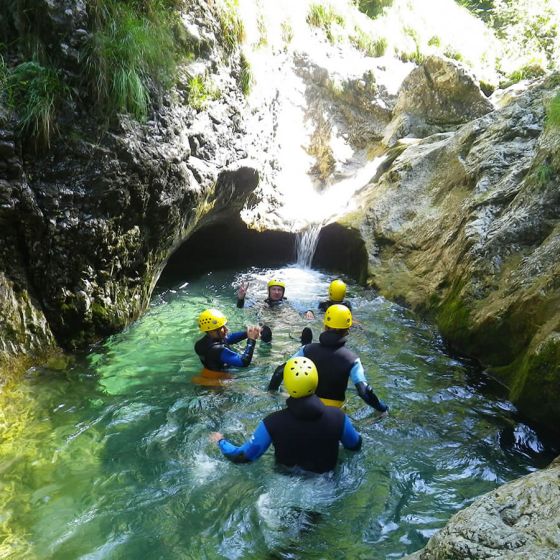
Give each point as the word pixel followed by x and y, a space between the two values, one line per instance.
pixel 306 243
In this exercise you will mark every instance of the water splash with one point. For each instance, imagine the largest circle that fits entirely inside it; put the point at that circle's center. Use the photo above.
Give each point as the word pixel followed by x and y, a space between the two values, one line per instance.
pixel 306 243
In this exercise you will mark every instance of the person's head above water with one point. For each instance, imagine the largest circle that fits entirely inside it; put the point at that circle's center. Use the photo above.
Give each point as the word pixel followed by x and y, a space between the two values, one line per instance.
pixel 211 321
pixel 276 289
pixel 338 317
pixel 300 377
pixel 337 291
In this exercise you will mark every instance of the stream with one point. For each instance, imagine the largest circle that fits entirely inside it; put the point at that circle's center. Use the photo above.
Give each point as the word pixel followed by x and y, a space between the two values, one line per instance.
pixel 108 456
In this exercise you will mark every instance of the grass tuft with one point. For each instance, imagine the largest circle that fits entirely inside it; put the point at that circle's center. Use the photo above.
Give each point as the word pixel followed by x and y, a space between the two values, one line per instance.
pixel 131 51
pixel 325 18
pixel 553 112
pixel 245 75
pixel 33 92
pixel 233 31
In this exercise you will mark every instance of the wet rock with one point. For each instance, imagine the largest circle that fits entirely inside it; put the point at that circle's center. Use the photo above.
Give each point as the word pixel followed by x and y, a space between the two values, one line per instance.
pixel 517 521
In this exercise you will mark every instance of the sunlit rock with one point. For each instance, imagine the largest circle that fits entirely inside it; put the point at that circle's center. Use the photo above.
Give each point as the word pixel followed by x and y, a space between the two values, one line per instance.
pixel 517 521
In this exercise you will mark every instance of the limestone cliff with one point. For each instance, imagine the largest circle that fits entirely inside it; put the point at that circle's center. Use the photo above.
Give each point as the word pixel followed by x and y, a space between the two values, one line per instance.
pixel 464 226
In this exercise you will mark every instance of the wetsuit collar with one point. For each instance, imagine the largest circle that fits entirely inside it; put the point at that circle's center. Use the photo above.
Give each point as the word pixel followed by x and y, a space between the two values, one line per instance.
pixel 306 408
pixel 274 302
pixel 332 338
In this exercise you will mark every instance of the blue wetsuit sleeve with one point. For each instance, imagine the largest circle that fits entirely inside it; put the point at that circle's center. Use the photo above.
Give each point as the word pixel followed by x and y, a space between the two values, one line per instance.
pixel 251 450
pixel 350 438
pixel 299 353
pixel 366 393
pixel 234 337
pixel 231 358
pixel 357 374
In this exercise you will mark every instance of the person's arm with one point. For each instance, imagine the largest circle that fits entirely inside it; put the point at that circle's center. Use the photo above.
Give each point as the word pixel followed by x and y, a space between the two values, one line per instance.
pixel 251 450
pixel 232 358
pixel 234 337
pixel 366 393
pixel 241 293
pixel 278 375
pixel 350 438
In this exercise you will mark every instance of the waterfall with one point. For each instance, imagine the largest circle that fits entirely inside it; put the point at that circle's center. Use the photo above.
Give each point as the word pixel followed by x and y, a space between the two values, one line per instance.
pixel 306 243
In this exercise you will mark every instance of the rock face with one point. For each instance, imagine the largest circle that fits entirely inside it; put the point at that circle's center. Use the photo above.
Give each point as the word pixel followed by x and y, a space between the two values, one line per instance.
pixel 517 521
pixel 465 226
pixel 88 227
pixel 434 97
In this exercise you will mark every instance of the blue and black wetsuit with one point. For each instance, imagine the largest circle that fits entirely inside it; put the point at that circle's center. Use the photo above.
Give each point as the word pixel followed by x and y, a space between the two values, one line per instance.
pixel 306 434
pixel 324 305
pixel 215 354
pixel 335 365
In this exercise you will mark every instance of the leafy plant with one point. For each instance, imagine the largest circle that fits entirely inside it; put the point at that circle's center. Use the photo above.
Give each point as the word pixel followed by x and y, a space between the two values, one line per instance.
pixel 34 91
pixel 373 8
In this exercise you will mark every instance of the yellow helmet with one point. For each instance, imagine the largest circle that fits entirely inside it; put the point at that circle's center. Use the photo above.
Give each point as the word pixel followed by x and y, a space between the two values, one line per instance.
pixel 300 377
pixel 275 282
pixel 337 290
pixel 211 319
pixel 338 317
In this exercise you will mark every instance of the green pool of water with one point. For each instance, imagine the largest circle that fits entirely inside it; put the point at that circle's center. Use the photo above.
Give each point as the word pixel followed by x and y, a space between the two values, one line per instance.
pixel 110 457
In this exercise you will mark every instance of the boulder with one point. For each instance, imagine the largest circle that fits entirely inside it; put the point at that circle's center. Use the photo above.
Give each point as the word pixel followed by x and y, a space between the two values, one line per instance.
pixel 517 521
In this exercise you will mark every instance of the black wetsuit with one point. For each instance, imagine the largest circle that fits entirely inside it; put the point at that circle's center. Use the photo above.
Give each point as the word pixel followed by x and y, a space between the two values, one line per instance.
pixel 306 434
pixel 216 355
pixel 335 364
pixel 268 301
pixel 324 305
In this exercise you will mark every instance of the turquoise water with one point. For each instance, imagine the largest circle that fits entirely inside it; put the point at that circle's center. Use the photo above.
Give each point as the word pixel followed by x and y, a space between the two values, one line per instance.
pixel 109 457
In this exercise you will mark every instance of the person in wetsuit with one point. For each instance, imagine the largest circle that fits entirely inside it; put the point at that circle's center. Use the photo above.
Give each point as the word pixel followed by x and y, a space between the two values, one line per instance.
pixel 335 363
pixel 213 348
pixel 337 292
pixel 306 434
pixel 276 289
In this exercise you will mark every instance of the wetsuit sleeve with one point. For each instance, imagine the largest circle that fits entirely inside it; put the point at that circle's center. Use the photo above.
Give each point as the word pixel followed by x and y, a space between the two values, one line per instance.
pixel 366 393
pixel 278 375
pixel 350 438
pixel 232 338
pixel 231 358
pixel 276 379
pixel 240 303
pixel 323 305
pixel 251 450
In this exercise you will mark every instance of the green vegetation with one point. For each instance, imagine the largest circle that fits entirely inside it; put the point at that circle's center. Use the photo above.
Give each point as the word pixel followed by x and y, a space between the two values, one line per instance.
pixel 544 174
pixel 201 90
pixel 287 31
pixel 233 32
pixel 373 8
pixel 553 112
pixel 34 92
pixel 131 51
pixel 367 44
pixel 326 19
pixel 245 75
